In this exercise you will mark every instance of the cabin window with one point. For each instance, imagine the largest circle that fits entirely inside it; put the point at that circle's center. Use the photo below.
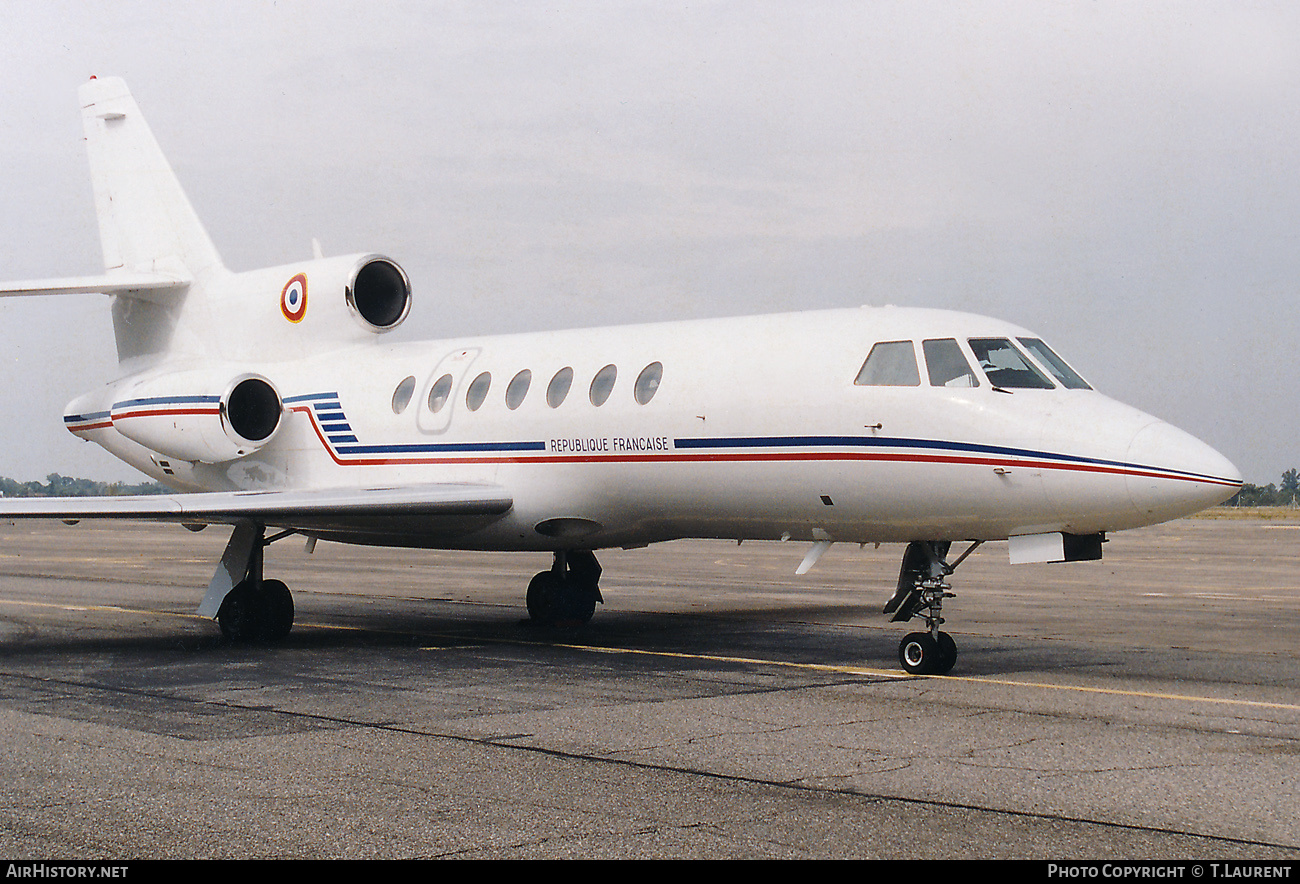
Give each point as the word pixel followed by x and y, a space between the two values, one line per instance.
pixel 647 382
pixel 439 393
pixel 1005 367
pixel 478 390
pixel 603 384
pixel 402 395
pixel 517 389
pixel 558 388
pixel 890 364
pixel 946 364
pixel 1065 376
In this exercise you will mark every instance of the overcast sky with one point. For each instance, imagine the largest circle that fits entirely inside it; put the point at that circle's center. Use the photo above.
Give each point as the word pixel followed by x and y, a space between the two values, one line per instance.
pixel 1123 178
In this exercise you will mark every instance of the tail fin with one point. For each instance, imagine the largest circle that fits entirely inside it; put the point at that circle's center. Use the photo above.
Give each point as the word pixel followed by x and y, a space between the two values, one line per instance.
pixel 157 256
pixel 146 223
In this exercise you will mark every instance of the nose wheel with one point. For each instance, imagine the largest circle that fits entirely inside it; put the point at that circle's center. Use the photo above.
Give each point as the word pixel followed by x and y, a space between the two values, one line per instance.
pixel 920 593
pixel 923 653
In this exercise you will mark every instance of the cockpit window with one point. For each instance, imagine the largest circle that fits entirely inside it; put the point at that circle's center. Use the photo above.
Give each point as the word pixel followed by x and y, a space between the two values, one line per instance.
pixel 1065 376
pixel 947 365
pixel 1005 367
pixel 890 364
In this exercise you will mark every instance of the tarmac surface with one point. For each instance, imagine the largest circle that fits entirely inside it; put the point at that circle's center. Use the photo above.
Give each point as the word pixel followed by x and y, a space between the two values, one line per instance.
pixel 1144 706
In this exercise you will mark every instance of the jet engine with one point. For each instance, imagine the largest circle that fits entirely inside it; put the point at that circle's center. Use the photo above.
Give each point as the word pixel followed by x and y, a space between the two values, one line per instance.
pixel 178 415
pixel 378 293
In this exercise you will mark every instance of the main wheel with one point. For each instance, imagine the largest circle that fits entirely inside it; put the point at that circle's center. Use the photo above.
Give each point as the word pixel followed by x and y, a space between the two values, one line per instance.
pixel 556 601
pixel 276 615
pixel 543 598
pixel 249 615
pixel 918 653
pixel 577 603
pixel 238 614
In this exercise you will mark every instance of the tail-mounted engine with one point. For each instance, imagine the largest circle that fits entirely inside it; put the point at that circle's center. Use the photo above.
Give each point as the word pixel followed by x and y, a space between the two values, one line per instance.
pixel 328 299
pixel 180 416
pixel 378 293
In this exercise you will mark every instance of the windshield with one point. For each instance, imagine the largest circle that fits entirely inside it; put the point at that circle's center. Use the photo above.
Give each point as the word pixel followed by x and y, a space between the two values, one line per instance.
pixel 1065 376
pixel 1005 367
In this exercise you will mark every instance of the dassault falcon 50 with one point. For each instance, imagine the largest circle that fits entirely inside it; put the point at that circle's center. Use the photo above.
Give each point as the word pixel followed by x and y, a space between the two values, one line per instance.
pixel 271 401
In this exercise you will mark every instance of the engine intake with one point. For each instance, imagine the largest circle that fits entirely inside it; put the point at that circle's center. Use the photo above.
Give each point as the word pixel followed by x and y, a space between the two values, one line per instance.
pixel 379 293
pixel 252 409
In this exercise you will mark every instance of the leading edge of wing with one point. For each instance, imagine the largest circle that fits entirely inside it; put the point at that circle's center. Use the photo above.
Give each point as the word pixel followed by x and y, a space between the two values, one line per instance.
pixel 285 508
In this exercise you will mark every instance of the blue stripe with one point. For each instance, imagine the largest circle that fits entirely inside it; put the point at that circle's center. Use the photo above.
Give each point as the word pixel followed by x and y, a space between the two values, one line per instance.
pixel 74 418
pixel 308 396
pixel 442 447
pixel 925 444
pixel 166 400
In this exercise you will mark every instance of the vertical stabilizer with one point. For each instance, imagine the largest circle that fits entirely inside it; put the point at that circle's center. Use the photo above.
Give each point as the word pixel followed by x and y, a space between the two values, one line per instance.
pixel 146 223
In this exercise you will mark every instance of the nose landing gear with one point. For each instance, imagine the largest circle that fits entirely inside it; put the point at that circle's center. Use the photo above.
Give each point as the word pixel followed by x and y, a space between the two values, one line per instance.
pixel 920 593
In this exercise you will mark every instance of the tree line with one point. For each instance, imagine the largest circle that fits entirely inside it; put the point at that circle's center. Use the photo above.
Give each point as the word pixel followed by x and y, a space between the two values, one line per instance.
pixel 1286 493
pixel 65 486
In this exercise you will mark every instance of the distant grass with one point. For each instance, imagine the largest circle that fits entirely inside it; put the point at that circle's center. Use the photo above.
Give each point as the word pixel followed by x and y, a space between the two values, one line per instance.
pixel 1268 513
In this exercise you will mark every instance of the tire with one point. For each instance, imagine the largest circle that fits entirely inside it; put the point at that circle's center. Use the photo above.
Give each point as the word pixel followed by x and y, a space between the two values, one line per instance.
pixel 555 601
pixel 543 598
pixel 248 615
pixel 276 615
pixel 947 654
pixel 918 653
pixel 577 604
pixel 238 614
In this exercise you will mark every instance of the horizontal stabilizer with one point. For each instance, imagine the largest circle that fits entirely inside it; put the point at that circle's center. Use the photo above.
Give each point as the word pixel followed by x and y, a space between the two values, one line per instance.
pixel 109 284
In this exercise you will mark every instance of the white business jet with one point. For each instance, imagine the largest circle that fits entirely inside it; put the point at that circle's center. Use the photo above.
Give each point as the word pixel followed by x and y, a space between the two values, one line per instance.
pixel 274 402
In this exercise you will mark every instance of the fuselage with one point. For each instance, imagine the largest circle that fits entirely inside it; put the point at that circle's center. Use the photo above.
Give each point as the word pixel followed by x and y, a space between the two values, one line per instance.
pixel 763 427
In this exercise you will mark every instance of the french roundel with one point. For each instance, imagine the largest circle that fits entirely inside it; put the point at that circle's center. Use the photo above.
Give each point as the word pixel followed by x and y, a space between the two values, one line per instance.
pixel 293 299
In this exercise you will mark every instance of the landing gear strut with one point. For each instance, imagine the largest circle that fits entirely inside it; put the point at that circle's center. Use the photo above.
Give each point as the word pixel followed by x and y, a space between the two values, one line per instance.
pixel 257 610
pixel 920 593
pixel 567 594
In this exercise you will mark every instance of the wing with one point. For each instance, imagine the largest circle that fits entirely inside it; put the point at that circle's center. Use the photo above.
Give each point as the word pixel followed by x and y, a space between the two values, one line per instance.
pixel 416 515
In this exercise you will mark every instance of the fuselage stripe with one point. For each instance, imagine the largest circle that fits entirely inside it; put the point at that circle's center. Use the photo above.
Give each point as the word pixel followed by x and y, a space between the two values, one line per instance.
pixel 697 451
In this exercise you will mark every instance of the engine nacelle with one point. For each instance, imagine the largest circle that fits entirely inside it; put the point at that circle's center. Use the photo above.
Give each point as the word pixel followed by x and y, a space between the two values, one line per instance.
pixel 298 310
pixel 378 293
pixel 179 415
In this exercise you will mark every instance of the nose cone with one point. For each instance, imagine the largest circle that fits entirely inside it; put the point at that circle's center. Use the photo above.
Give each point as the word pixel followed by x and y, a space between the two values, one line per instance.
pixel 1173 474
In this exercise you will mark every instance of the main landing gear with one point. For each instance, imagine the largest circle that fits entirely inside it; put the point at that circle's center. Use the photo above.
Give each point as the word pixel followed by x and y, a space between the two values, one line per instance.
pixel 255 610
pixel 567 594
pixel 920 593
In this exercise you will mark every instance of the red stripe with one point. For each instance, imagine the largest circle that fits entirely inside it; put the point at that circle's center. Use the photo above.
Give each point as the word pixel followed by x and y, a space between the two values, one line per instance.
pixel 165 412
pixel 750 458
